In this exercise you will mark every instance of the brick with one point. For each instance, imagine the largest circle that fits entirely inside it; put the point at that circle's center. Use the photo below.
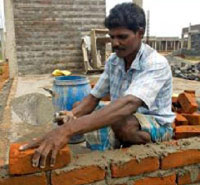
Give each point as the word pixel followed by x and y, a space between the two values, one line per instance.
pixel 180 158
pixel 187 102
pixel 187 178
pixel 134 167
pixel 192 92
pixel 20 161
pixel 187 131
pixel 180 120
pixel 37 179
pixel 193 119
pixel 167 180
pixel 2 162
pixel 83 175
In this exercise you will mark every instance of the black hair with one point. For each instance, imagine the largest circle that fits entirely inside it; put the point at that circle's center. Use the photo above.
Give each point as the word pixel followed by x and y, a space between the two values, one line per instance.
pixel 128 15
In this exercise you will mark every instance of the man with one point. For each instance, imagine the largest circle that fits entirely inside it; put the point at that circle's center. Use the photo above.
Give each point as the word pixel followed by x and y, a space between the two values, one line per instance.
pixel 139 82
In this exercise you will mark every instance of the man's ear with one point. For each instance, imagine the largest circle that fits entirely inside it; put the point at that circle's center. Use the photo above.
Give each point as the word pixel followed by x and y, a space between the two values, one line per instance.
pixel 141 32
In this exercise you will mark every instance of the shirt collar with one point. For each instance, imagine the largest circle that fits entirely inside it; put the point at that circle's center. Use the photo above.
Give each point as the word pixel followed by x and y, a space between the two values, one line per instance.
pixel 136 64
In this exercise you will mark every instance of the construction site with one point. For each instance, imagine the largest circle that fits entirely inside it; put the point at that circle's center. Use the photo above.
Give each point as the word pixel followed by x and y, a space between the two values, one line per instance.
pixel 45 39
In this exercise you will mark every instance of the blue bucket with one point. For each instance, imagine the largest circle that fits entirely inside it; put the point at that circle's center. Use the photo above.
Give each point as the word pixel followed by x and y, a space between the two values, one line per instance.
pixel 68 90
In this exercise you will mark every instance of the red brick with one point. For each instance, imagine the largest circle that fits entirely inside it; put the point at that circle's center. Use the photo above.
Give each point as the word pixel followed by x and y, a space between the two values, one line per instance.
pixel 187 102
pixel 167 180
pixel 20 161
pixel 84 175
pixel 193 119
pixel 187 179
pixel 192 92
pixel 133 167
pixel 180 120
pixel 2 163
pixel 180 158
pixel 187 131
pixel 39 179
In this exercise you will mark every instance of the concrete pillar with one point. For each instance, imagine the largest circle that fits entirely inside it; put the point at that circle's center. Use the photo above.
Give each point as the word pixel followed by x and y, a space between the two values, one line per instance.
pixel 189 37
pixel 182 41
pixel 155 45
pixel 189 41
pixel 10 38
pixel 178 47
pixel 166 45
pixel 2 44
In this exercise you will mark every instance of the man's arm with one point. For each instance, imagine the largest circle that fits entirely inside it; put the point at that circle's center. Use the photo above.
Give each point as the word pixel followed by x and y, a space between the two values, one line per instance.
pixel 53 141
pixel 86 106
pixel 108 115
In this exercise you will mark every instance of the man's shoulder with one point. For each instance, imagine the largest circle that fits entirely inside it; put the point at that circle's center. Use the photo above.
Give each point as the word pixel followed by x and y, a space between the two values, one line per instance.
pixel 113 59
pixel 152 59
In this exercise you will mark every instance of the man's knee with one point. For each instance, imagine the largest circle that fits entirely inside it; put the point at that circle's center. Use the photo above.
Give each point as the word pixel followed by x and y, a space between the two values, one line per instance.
pixel 130 131
pixel 125 127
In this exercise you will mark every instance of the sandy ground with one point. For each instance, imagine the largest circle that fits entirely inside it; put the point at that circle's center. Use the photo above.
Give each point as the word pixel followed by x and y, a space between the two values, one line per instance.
pixel 179 85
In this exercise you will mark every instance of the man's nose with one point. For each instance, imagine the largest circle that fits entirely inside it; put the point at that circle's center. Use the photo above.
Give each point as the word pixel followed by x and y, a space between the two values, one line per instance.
pixel 115 42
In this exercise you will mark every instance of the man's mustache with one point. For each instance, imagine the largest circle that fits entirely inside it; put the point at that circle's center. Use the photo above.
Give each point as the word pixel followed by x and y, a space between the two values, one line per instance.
pixel 118 48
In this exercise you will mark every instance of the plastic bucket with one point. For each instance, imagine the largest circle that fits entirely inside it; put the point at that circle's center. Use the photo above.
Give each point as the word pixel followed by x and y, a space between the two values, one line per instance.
pixel 68 90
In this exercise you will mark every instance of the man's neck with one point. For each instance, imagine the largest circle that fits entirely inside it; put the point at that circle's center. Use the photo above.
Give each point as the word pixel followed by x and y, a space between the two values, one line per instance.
pixel 130 58
pixel 128 61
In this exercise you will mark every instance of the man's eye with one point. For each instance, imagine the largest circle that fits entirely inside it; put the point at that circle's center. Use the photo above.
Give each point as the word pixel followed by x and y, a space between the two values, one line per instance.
pixel 122 37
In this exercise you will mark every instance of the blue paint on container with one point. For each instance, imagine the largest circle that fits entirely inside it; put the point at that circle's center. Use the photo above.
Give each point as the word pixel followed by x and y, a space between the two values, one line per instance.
pixel 68 90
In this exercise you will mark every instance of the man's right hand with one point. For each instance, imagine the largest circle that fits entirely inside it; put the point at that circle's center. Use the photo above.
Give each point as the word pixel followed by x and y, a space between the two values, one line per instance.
pixel 63 117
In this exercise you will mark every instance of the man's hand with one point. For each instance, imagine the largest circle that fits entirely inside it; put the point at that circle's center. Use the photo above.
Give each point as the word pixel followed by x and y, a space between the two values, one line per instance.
pixel 51 143
pixel 63 117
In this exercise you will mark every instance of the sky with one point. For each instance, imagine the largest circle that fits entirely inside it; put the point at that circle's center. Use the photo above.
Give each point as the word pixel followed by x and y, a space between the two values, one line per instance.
pixel 167 17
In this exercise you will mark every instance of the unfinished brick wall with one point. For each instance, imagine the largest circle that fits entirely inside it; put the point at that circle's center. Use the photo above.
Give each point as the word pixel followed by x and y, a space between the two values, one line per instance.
pixel 169 163
pixel 195 42
pixel 48 32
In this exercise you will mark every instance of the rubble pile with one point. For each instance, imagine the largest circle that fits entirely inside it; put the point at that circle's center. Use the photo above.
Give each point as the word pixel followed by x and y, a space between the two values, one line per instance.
pixel 187 121
pixel 183 69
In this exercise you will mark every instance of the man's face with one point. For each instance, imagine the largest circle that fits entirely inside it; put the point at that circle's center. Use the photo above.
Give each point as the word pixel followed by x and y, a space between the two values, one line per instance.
pixel 125 42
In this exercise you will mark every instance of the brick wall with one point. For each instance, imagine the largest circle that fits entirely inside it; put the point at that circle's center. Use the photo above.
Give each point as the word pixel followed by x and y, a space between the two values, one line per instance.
pixel 170 163
pixel 196 42
pixel 48 32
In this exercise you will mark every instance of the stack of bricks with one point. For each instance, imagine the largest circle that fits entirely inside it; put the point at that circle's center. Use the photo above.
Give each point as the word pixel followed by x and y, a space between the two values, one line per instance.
pixel 187 122
pixel 152 164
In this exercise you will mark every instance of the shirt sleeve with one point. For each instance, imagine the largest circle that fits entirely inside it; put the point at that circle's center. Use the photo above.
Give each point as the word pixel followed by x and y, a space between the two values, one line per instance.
pixel 148 84
pixel 102 87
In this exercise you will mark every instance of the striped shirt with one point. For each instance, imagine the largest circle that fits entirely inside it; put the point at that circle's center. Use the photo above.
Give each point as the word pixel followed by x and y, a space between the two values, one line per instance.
pixel 149 78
